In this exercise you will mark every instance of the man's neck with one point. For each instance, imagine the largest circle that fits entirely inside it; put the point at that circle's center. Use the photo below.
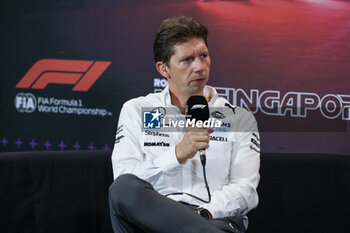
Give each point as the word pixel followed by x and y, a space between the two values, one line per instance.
pixel 180 100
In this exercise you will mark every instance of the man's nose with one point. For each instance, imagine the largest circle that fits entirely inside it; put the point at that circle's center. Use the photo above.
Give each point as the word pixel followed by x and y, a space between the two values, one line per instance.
pixel 198 65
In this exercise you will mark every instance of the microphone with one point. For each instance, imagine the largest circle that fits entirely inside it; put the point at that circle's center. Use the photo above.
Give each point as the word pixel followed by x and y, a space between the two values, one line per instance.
pixel 197 108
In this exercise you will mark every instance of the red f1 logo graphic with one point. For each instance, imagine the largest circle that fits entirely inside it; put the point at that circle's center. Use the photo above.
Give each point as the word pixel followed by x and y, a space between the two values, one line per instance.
pixel 83 74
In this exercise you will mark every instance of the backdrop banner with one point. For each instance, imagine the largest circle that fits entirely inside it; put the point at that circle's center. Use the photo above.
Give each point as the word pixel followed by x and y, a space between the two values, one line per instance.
pixel 67 67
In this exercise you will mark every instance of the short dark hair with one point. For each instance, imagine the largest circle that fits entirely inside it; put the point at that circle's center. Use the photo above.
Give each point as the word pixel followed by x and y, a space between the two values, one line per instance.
pixel 173 31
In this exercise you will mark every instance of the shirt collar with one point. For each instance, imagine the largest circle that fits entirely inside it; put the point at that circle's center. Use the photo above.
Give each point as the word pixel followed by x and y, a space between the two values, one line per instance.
pixel 209 92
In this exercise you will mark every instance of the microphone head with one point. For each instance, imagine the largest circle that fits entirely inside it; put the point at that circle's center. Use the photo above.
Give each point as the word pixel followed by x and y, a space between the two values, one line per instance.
pixel 197 108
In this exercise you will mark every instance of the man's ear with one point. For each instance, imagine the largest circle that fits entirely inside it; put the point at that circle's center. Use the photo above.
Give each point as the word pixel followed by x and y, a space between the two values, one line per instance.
pixel 163 69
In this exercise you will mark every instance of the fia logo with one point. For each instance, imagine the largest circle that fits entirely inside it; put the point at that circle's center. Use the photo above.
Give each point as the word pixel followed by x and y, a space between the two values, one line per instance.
pixel 25 102
pixel 151 119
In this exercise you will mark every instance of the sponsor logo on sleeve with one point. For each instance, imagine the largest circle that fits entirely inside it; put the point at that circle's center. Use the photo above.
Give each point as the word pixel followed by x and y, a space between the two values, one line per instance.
pixel 255 143
pixel 256 136
pixel 120 129
pixel 117 140
pixel 253 148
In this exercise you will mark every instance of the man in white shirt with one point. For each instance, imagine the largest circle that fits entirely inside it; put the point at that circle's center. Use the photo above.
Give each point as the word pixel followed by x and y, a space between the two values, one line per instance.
pixel 149 165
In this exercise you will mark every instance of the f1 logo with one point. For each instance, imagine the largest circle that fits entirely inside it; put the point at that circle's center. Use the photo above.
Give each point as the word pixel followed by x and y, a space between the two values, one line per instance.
pixel 82 74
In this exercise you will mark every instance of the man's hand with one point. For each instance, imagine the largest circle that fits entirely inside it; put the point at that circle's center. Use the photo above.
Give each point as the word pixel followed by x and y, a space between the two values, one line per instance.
pixel 194 140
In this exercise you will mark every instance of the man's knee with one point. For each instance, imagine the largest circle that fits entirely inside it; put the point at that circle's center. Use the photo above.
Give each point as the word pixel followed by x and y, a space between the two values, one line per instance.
pixel 121 182
pixel 125 190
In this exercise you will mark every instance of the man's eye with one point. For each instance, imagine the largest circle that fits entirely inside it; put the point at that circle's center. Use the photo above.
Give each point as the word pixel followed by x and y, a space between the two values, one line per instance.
pixel 188 59
pixel 204 55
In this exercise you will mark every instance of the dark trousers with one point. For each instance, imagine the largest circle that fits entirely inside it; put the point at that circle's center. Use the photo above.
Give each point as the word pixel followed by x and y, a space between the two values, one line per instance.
pixel 135 207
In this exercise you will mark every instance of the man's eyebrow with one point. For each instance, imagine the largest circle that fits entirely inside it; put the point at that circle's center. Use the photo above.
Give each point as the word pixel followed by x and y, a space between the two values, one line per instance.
pixel 192 54
pixel 204 50
pixel 186 56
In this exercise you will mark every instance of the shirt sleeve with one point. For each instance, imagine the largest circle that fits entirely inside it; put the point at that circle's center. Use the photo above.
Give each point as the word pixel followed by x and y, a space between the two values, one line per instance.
pixel 239 196
pixel 127 155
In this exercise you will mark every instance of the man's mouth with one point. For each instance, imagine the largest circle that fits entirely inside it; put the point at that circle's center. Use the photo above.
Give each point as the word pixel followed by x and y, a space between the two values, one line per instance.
pixel 198 80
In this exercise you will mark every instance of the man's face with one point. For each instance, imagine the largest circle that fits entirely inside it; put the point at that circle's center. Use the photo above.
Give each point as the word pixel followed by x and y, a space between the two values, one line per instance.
pixel 188 69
